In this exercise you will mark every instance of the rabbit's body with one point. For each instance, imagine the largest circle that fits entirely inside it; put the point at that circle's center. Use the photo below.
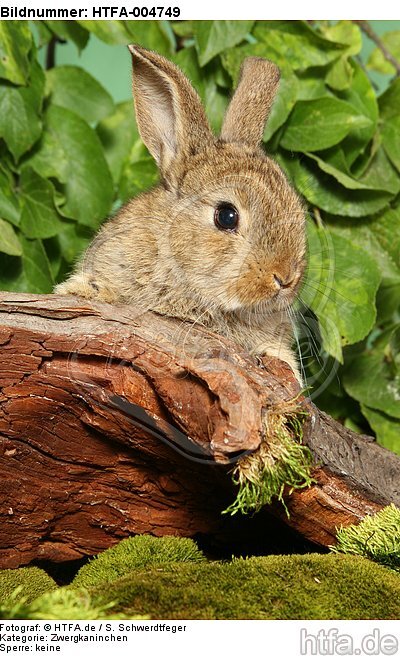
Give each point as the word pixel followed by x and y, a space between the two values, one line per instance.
pixel 178 249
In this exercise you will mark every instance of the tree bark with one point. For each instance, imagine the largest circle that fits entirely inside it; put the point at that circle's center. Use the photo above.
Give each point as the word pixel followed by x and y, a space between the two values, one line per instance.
pixel 115 422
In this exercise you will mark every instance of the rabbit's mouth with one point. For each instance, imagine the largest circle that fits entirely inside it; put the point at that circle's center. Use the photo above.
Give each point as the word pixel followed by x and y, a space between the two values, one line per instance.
pixel 262 308
pixel 277 295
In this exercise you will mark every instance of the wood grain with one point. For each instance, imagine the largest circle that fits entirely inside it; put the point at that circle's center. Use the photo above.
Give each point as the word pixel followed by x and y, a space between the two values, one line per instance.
pixel 115 421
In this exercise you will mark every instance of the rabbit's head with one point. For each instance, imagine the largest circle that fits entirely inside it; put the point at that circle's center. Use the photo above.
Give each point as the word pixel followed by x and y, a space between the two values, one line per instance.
pixel 235 226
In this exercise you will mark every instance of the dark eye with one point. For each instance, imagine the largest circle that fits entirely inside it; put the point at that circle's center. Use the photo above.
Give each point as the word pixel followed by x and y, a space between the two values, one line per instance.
pixel 226 217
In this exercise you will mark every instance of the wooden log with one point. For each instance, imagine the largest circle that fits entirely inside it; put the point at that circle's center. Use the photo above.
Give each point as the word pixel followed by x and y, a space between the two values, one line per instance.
pixel 115 421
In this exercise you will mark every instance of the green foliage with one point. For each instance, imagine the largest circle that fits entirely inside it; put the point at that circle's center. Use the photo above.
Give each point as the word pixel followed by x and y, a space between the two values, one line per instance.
pixel 213 37
pixel 320 123
pixel 15 45
pixel 377 537
pixel 71 87
pixel 377 61
pixel 139 551
pixel 348 313
pixel 69 155
pixel 9 242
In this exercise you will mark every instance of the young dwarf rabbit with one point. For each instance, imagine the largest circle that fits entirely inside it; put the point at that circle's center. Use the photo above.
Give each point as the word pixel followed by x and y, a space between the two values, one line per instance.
pixel 221 240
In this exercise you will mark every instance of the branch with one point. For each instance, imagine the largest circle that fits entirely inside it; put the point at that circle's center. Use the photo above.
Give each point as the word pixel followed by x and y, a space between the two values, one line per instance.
pixel 115 422
pixel 51 53
pixel 365 26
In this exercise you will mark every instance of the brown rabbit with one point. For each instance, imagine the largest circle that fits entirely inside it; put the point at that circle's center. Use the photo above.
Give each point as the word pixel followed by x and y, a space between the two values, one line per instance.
pixel 221 240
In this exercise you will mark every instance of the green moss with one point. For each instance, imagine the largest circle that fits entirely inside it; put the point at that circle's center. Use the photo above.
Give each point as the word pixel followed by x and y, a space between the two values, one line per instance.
pixel 25 583
pixel 274 587
pixel 281 463
pixel 133 553
pixel 61 604
pixel 169 577
pixel 377 537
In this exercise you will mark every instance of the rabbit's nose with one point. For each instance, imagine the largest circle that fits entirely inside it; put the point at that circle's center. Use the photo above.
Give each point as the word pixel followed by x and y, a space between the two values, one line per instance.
pixel 283 283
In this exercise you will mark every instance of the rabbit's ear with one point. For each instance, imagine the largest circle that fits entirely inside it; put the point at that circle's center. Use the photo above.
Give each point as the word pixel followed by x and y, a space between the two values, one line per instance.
pixel 169 113
pixel 251 104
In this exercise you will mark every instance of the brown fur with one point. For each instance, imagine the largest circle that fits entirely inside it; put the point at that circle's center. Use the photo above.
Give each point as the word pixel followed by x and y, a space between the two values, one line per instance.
pixel 163 250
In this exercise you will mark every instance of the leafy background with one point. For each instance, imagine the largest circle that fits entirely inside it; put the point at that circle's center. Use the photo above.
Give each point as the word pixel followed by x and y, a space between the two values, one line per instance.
pixel 70 155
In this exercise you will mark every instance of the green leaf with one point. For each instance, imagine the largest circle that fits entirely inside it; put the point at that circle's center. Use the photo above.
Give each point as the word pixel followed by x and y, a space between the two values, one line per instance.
pixel 283 104
pixel 71 152
pixel 212 37
pixel 362 97
pixel 118 133
pixel 215 102
pixel 233 58
pixel 311 84
pixel 393 351
pixel 73 88
pixel 69 31
pixel 345 32
pixel 388 299
pixel 296 43
pixel 389 102
pixel 374 380
pixel 183 28
pixel 36 266
pixel 334 163
pixel 15 44
pixel 150 34
pixel 386 229
pixel 321 123
pixel 381 239
pixel 65 248
pixel 386 428
pixel 340 74
pixel 20 107
pixel 379 236
pixel 44 34
pixel 372 171
pixel 380 174
pixel 9 242
pixel 9 205
pixel 20 125
pixel 110 31
pixel 340 287
pixel 391 140
pixel 187 60
pixel 33 94
pixel 39 217
pixel 377 61
pixel 325 193
pixel 361 94
pixel 292 46
pixel 73 240
pixel 205 82
pixel 31 273
pixel 137 177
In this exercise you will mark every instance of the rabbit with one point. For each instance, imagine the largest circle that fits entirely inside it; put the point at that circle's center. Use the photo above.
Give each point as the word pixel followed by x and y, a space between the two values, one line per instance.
pixel 221 240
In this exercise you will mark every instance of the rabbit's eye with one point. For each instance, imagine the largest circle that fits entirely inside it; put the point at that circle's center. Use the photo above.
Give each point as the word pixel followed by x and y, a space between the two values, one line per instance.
pixel 226 217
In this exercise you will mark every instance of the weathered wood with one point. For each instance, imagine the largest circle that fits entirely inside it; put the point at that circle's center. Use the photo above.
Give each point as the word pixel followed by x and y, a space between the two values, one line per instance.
pixel 115 422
